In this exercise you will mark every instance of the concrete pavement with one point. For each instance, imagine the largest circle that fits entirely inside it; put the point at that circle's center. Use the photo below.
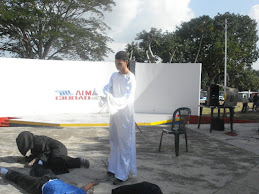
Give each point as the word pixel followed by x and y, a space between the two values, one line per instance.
pixel 215 163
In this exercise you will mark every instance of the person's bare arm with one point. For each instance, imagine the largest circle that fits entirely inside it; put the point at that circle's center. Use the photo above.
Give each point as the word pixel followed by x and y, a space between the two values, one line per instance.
pixel 32 162
pixel 88 186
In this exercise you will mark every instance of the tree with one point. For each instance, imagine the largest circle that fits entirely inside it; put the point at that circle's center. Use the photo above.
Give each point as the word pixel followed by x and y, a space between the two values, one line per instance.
pixel 195 38
pixel 55 29
pixel 207 46
pixel 136 53
pixel 168 47
pixel 149 42
pixel 202 40
pixel 248 80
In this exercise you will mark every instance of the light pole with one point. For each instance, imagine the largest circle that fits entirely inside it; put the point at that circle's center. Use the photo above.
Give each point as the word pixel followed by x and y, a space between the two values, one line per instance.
pixel 225 64
pixel 225 68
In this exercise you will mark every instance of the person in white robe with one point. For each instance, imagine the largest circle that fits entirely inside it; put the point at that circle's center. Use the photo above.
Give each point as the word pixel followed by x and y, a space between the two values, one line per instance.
pixel 120 100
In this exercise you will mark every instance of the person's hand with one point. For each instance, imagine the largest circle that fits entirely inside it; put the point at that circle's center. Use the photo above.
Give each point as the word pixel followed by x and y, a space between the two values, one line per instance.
pixel 98 92
pixel 88 186
pixel 32 162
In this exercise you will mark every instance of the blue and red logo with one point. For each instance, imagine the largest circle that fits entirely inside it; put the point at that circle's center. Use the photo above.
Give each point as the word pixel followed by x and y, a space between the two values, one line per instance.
pixel 77 95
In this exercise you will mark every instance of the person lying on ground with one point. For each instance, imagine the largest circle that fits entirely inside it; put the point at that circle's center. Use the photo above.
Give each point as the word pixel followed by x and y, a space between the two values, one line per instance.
pixel 52 152
pixel 46 184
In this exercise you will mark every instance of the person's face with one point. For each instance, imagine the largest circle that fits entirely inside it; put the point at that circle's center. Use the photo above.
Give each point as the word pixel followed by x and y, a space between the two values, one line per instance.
pixel 121 65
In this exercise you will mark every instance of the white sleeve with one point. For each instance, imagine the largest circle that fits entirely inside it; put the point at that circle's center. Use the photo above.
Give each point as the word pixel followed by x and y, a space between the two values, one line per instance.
pixel 116 103
pixel 108 87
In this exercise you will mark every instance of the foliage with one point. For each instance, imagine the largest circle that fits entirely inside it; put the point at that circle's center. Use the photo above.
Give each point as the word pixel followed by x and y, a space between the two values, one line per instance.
pixel 248 80
pixel 202 40
pixel 135 52
pixel 54 29
pixel 150 41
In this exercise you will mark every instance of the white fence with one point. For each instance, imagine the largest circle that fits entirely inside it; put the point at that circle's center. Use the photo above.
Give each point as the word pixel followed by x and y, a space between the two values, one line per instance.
pixel 30 87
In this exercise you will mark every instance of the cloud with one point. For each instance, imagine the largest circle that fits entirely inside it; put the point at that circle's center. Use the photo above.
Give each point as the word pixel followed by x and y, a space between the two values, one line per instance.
pixel 131 17
pixel 254 14
pixel 121 16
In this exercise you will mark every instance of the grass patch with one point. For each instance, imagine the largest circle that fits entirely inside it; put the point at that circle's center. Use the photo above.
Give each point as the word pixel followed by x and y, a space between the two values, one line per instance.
pixel 251 116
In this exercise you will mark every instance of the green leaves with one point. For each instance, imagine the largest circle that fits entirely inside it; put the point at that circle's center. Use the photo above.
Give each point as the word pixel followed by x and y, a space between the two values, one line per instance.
pixel 202 40
pixel 54 29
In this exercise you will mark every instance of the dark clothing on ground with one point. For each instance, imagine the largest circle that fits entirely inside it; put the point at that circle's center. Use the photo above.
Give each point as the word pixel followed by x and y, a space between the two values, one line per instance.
pixel 60 165
pixel 28 183
pixel 139 188
pixel 48 150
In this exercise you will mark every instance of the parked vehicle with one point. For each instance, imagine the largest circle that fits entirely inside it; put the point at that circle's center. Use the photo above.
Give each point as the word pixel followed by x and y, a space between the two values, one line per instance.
pixel 203 99
pixel 221 98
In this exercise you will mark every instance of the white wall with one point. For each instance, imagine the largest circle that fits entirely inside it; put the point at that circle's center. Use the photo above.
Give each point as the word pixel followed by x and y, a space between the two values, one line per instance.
pixel 33 86
pixel 162 88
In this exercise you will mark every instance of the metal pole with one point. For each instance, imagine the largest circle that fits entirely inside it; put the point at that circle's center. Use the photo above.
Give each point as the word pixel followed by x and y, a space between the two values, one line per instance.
pixel 225 70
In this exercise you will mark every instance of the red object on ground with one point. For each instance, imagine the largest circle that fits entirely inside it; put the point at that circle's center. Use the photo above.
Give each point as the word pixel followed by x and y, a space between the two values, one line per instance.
pixel 206 120
pixel 231 133
pixel 4 121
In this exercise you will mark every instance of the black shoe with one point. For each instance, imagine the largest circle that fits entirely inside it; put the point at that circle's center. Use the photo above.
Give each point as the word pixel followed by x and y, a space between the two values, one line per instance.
pixel 84 162
pixel 117 181
pixel 110 174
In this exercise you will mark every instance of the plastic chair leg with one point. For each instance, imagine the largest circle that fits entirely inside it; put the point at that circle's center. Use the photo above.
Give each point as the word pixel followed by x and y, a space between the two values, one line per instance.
pixel 186 142
pixel 176 144
pixel 161 141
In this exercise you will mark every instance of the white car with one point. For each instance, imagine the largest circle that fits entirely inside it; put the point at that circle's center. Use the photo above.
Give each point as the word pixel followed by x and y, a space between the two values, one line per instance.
pixel 221 98
pixel 203 99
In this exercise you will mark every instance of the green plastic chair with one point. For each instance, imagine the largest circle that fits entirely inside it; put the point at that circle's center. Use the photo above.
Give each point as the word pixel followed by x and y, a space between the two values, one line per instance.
pixel 180 120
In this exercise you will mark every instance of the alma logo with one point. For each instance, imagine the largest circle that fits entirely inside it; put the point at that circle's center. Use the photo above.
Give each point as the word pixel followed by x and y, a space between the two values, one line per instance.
pixel 84 92
pixel 78 95
pixel 64 92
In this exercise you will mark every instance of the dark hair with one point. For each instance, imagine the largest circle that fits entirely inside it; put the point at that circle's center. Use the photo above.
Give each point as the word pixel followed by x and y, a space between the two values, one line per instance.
pixel 122 55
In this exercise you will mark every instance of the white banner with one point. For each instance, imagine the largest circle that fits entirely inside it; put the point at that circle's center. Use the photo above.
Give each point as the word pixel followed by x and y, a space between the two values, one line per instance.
pixel 30 86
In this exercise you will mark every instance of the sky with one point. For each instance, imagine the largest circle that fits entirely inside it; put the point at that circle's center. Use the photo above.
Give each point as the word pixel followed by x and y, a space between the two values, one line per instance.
pixel 131 17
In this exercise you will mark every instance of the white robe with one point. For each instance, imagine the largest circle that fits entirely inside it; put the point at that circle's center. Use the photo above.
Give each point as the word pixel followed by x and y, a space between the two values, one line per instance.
pixel 120 99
